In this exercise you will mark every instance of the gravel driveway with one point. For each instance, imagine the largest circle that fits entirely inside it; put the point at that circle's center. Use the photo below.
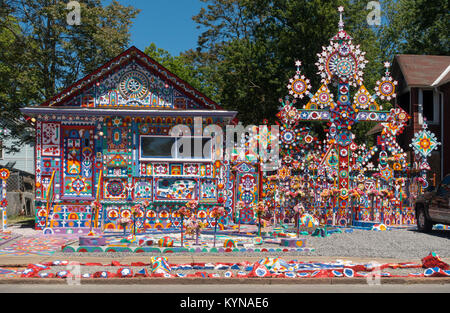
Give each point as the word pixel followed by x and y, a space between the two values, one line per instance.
pixel 396 243
pixel 402 244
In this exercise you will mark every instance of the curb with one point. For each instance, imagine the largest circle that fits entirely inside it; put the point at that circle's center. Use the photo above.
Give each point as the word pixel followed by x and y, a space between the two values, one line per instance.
pixel 227 281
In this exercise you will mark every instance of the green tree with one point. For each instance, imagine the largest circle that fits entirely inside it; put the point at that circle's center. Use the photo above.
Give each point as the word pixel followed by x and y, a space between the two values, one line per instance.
pixel 181 66
pixel 248 48
pixel 416 27
pixel 52 53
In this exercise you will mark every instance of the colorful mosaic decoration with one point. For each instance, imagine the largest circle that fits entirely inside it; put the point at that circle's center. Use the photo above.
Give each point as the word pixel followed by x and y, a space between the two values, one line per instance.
pixel 95 156
pixel 336 181
pixel 4 175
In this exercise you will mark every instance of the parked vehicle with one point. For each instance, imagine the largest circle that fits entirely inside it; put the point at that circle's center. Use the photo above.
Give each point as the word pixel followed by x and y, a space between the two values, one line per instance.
pixel 434 207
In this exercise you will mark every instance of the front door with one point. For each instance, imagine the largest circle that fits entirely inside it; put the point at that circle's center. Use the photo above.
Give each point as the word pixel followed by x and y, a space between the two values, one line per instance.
pixel 247 192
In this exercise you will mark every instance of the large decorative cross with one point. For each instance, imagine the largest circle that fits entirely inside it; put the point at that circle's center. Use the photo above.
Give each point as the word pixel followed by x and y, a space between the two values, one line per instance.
pixel 343 64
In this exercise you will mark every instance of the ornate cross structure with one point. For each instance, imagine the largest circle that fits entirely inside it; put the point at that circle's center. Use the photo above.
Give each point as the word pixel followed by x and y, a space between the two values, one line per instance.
pixel 342 64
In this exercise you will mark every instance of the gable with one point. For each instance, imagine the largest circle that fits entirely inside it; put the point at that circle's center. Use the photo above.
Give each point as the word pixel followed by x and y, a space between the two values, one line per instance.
pixel 132 80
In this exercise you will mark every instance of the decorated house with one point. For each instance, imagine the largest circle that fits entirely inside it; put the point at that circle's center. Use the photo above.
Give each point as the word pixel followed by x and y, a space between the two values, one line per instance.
pixel 106 139
pixel 424 93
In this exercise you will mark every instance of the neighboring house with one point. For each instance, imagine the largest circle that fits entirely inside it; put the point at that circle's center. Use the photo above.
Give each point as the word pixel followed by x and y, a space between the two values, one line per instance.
pixel 20 185
pixel 424 92
pixel 22 160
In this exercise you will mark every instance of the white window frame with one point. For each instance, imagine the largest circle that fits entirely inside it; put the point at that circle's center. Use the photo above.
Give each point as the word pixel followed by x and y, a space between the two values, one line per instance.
pixel 436 111
pixel 163 159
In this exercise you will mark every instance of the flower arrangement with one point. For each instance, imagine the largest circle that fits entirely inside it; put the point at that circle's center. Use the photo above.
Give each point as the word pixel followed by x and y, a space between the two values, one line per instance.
pixel 217 212
pixel 193 204
pixel 184 212
pixel 124 222
pixel 373 192
pixel 194 226
pixel 325 194
pixel 356 193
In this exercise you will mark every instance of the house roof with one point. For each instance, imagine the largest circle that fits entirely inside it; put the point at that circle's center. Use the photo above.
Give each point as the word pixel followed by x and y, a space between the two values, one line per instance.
pixel 375 130
pixel 135 112
pixel 423 70
pixel 140 57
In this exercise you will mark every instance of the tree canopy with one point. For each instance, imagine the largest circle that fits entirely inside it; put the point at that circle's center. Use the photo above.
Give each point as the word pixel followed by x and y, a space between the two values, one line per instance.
pixel 243 60
pixel 42 52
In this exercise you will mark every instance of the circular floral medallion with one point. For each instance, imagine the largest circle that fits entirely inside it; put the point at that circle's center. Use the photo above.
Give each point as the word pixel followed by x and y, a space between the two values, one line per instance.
pixel 134 85
pixel 115 188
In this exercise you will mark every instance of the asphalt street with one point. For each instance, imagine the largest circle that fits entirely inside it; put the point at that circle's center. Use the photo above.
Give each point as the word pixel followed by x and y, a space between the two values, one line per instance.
pixel 232 289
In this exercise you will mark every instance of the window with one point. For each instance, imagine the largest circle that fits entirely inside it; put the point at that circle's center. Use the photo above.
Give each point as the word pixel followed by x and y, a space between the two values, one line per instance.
pixel 430 105
pixel 404 102
pixel 157 147
pixel 166 147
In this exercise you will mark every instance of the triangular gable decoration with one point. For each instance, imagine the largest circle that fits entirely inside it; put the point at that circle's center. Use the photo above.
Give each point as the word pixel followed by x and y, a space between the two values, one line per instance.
pixel 132 79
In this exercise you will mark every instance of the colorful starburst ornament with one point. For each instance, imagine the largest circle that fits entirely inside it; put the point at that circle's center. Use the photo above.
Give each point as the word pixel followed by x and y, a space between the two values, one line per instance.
pixel 299 85
pixel 424 142
pixel 385 88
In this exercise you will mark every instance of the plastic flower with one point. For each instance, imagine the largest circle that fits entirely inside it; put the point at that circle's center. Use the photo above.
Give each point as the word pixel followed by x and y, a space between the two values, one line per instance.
pixel 217 212
pixel 136 210
pixel 185 212
pixel 193 204
pixel 299 208
pixel 193 225
pixel 259 208
pixel 123 221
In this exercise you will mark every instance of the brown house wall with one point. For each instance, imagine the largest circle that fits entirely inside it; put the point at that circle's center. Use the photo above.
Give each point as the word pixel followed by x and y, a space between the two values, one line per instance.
pixel 446 132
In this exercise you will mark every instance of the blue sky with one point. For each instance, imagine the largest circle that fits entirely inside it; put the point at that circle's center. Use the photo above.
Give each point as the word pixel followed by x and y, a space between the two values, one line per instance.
pixel 167 23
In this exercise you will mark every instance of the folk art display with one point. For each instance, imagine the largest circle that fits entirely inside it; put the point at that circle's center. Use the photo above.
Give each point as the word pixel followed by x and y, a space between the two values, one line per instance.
pixel 4 175
pixel 105 161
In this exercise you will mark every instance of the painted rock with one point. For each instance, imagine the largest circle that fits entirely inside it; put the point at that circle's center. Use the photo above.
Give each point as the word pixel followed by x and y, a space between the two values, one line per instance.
pixel 229 243
pixel 165 242
pixel 258 241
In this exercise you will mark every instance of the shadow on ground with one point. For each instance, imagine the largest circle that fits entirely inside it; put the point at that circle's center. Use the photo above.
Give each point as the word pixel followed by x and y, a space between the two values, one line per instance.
pixel 26 223
pixel 442 233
